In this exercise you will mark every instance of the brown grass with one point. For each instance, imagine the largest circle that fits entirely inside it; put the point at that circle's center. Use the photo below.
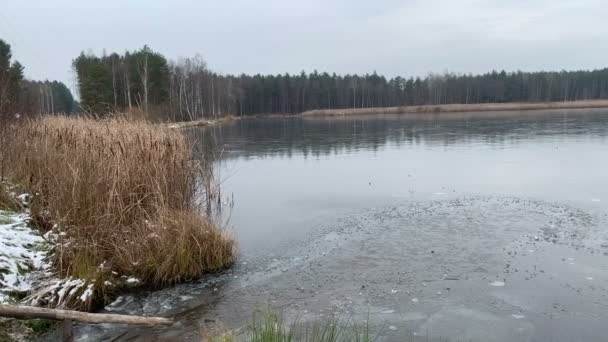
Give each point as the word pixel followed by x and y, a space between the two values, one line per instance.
pixel 456 108
pixel 124 198
pixel 8 200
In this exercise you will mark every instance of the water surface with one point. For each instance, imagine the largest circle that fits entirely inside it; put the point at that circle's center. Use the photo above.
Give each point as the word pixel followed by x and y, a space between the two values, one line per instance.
pixel 482 227
pixel 283 171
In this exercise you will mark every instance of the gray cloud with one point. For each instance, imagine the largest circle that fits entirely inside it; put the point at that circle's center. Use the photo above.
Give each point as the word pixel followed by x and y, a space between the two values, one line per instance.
pixel 411 37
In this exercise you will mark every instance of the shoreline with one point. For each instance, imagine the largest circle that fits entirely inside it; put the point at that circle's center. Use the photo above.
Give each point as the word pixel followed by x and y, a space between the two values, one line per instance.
pixel 425 109
pixel 460 108
pixel 198 123
pixel 223 120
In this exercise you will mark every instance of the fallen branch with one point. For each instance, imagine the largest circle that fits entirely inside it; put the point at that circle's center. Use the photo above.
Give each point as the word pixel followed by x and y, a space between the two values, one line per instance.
pixel 30 312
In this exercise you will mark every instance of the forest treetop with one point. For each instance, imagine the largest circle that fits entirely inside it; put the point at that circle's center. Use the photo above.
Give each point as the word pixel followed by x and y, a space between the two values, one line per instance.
pixel 145 81
pixel 187 89
pixel 21 96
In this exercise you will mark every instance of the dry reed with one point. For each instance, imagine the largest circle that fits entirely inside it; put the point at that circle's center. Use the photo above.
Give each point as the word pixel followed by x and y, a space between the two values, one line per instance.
pixel 7 199
pixel 458 108
pixel 122 199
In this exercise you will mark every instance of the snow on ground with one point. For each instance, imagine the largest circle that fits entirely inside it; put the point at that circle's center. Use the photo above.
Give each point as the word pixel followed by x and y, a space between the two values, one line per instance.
pixel 133 281
pixel 22 250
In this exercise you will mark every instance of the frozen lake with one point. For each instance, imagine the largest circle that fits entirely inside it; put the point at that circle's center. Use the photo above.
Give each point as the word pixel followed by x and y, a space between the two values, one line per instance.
pixel 480 227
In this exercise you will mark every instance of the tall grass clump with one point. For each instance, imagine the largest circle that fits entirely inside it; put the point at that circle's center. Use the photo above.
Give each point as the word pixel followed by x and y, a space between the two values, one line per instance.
pixel 271 327
pixel 121 199
pixel 7 198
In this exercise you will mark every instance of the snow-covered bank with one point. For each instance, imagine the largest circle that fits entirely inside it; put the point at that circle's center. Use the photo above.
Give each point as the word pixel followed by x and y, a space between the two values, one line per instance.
pixel 22 251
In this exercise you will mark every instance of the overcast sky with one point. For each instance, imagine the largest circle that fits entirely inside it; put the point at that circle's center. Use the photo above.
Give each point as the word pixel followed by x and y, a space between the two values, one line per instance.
pixel 408 37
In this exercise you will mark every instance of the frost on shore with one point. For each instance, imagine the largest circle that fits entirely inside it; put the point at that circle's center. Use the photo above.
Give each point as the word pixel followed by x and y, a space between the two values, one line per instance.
pixel 22 251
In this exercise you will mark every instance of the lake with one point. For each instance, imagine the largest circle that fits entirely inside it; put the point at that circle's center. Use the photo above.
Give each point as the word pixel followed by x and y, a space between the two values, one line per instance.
pixel 469 226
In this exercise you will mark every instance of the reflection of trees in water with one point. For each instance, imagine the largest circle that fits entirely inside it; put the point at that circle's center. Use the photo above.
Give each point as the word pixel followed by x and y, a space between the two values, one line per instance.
pixel 316 137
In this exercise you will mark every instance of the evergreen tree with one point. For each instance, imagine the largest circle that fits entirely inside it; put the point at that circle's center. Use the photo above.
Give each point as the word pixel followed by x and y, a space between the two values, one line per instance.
pixel 187 90
pixel 11 76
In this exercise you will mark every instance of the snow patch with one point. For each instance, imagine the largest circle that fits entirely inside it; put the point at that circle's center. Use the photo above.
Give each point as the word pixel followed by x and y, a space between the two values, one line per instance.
pixel 133 281
pixel 88 293
pixel 22 251
pixel 24 198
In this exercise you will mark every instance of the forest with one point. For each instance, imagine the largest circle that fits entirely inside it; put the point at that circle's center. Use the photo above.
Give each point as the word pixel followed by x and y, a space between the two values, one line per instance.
pixel 21 96
pixel 186 89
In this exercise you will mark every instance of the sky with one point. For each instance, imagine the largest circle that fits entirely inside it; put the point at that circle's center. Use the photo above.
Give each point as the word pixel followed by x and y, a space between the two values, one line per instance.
pixel 407 38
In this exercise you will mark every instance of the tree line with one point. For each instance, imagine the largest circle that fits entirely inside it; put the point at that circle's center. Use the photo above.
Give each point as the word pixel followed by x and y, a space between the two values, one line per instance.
pixel 21 96
pixel 186 89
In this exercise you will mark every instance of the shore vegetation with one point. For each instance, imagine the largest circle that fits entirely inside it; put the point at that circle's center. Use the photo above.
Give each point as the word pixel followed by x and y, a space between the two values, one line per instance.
pixel 122 204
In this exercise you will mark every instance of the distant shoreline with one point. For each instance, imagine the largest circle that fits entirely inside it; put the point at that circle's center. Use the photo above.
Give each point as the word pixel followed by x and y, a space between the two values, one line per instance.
pixel 426 109
pixel 459 108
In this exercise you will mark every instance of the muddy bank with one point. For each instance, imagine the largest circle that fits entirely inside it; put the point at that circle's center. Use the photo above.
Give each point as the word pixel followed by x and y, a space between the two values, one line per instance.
pixel 463 268
pixel 459 108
